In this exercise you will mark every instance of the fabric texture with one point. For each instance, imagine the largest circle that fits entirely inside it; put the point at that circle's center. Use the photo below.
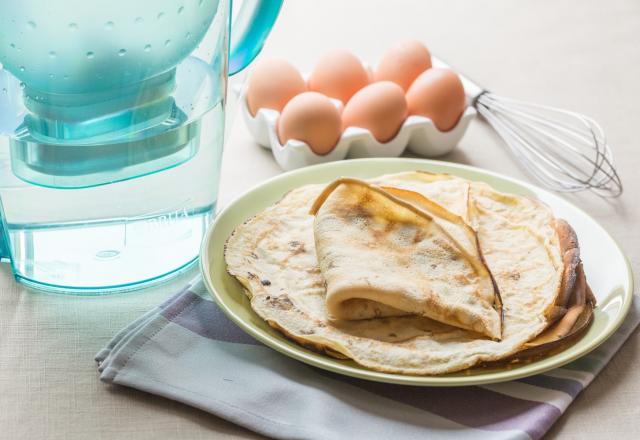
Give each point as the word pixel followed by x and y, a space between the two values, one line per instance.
pixel 187 350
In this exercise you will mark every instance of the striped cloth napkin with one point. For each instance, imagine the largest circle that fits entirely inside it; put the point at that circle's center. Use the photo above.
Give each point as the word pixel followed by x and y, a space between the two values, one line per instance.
pixel 187 350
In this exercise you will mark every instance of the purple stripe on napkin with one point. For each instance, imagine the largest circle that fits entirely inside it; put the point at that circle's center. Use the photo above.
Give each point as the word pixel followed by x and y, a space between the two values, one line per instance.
pixel 205 318
pixel 471 406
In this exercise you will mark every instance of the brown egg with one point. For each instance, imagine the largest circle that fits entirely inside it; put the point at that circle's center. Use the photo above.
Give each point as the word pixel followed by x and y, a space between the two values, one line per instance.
pixel 312 118
pixel 437 94
pixel 403 63
pixel 380 107
pixel 338 74
pixel 272 84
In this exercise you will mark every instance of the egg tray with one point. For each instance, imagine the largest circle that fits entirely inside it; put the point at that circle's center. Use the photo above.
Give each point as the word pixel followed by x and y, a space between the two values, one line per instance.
pixel 418 134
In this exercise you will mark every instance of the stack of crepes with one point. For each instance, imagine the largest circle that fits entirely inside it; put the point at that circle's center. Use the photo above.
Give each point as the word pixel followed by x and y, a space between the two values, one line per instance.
pixel 414 273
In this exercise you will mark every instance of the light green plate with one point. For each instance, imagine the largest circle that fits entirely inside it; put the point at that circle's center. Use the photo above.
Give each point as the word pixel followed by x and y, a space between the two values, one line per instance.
pixel 607 269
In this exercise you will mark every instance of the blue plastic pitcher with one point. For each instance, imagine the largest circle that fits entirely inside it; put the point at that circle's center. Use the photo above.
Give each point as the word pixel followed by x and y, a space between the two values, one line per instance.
pixel 111 133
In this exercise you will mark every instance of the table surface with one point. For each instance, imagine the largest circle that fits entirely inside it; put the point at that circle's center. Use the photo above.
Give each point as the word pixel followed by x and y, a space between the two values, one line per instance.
pixel 576 54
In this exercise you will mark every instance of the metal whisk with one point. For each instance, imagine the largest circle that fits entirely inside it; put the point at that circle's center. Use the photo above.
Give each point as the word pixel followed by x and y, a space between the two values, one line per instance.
pixel 565 151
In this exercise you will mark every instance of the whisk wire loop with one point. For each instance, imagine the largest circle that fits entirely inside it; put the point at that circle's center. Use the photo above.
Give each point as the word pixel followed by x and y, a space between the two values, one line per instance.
pixel 564 150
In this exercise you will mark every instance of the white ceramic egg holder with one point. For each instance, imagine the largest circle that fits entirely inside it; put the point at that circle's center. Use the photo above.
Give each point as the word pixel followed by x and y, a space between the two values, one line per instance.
pixel 418 134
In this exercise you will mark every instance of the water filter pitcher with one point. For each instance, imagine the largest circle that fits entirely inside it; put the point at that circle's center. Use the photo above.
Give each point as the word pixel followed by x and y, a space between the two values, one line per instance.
pixel 111 129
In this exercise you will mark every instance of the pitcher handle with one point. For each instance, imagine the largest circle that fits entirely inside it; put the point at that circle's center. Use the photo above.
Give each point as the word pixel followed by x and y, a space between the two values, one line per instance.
pixel 5 252
pixel 249 31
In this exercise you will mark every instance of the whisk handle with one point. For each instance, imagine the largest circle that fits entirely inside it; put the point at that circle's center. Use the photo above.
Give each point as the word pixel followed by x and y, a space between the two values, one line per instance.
pixel 471 89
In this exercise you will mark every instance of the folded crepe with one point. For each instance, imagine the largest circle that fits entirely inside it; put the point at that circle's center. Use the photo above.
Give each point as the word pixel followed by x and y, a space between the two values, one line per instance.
pixel 386 252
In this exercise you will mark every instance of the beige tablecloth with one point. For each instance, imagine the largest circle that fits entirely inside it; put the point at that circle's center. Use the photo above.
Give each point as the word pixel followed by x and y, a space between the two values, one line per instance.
pixel 577 54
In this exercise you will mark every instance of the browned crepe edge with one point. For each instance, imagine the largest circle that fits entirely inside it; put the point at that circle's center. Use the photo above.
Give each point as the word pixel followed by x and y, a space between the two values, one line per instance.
pixel 570 258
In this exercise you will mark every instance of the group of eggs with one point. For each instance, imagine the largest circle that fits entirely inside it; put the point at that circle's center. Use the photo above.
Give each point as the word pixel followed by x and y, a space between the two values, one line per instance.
pixel 403 83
